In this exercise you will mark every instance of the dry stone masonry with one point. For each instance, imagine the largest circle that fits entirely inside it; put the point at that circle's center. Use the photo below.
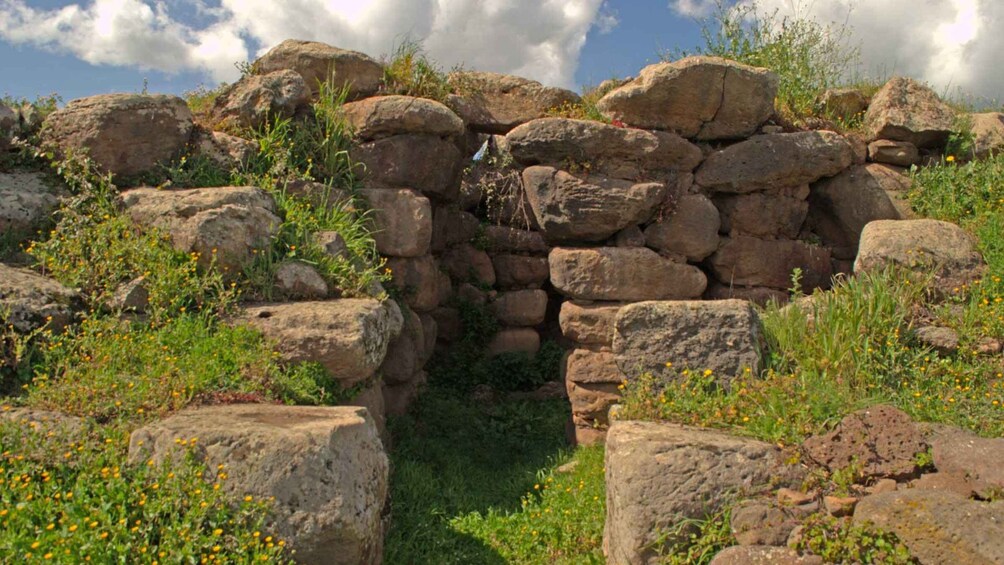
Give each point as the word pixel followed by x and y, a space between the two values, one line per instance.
pixel 635 243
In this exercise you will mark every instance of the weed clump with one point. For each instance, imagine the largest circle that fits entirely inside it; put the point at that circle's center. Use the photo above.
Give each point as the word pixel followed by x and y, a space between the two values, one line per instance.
pixel 410 72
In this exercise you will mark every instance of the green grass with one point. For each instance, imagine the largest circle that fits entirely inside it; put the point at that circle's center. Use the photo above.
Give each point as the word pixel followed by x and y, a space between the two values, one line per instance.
pixel 119 374
pixel 68 497
pixel 315 150
pixel 409 71
pixel 477 483
pixel 131 372
pixel 855 346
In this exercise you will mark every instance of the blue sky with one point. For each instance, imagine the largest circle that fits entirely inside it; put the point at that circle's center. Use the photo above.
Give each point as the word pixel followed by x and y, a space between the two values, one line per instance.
pixel 83 47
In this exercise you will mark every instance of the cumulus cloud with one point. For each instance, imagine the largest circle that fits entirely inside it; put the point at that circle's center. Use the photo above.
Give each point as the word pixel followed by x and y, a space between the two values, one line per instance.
pixel 540 39
pixel 952 44
pixel 693 8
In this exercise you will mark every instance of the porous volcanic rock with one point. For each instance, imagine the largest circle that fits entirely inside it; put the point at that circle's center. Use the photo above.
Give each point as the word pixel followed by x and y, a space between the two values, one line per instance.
pixel 775 160
pixel 622 274
pixel 318 63
pixel 124 134
pixel 349 337
pixel 223 225
pixel 323 468
pixel 718 335
pixel 906 110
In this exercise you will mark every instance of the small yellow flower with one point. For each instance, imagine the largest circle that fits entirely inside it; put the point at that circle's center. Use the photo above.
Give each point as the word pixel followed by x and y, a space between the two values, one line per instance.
pixel 950 159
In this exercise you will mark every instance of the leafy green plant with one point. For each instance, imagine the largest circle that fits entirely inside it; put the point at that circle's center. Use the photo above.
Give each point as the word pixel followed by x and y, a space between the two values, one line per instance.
pixel 409 71
pixel 112 370
pixel 961 142
pixel 200 101
pixel 19 351
pixel 696 541
pixel 313 150
pixel 846 349
pixel 840 540
pixel 95 248
pixel 196 171
pixel 70 498
pixel 500 185
pixel 808 56
pixel 586 108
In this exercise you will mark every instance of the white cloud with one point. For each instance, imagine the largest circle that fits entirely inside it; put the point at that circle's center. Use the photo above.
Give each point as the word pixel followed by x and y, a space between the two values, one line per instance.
pixel 607 20
pixel 952 44
pixel 694 8
pixel 540 39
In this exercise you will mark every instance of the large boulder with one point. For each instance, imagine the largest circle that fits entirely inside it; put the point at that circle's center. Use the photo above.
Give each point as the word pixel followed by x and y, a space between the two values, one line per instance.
pixel 697 97
pixel 48 422
pixel 939 527
pixel 775 161
pixel 576 208
pixel 927 247
pixel 348 337
pixel 841 206
pixel 255 99
pixel 659 475
pixel 616 152
pixel 383 116
pixel 881 442
pixel 896 153
pixel 297 280
pixel 426 163
pixel 961 452
pixel 407 353
pixel 417 278
pixel 451 226
pixel 585 366
pixel 622 274
pixel 768 214
pixel 750 261
pixel 228 152
pixel 906 110
pixel 988 134
pixel 323 468
pixel 689 231
pixel 496 103
pixel 30 301
pixel 125 134
pixel 223 225
pixel 514 340
pixel 843 104
pixel 520 307
pixel 26 201
pixel 519 271
pixel 402 221
pixel 723 336
pixel 319 63
pixel 588 323
pixel 512 240
pixel 466 263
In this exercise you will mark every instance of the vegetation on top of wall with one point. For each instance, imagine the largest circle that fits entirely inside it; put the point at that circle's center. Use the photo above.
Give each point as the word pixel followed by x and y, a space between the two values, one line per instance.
pixel 119 372
pixel 855 346
pixel 67 497
pixel 808 56
pixel 586 108
pixel 409 71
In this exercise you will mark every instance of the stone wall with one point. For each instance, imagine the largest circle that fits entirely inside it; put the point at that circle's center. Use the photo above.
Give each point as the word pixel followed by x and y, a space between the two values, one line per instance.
pixel 694 190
